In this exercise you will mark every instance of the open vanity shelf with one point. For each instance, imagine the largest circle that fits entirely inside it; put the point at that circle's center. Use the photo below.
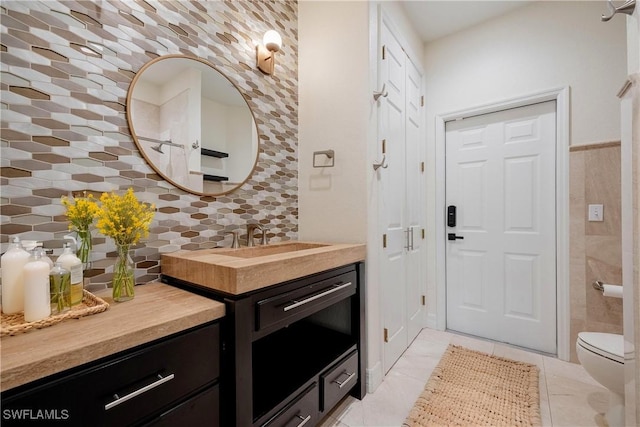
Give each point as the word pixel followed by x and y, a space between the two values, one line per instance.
pixel 213 153
pixel 278 368
pixel 217 178
pixel 291 351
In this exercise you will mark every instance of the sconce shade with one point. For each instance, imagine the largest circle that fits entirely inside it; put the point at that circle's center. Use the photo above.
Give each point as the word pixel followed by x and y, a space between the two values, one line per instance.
pixel 266 52
pixel 272 41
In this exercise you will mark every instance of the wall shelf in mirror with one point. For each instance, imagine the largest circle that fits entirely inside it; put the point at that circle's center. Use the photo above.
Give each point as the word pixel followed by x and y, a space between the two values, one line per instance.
pixel 213 153
pixel 216 178
pixel 178 99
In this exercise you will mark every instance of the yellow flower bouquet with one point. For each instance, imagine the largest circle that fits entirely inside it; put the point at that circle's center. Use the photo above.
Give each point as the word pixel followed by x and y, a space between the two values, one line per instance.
pixel 81 211
pixel 126 220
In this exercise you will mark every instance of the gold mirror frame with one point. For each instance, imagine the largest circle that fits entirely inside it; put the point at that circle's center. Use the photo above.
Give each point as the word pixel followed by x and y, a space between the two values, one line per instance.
pixel 147 155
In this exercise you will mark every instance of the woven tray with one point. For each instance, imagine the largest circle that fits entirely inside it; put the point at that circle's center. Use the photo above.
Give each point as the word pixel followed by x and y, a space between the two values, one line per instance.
pixel 14 324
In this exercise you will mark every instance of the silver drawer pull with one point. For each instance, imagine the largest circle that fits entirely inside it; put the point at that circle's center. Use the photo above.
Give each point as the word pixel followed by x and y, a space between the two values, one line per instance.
pixel 315 297
pixel 161 380
pixel 304 420
pixel 342 383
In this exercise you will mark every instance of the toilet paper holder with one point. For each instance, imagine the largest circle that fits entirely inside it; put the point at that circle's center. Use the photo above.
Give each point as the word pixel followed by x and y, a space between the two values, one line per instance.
pixel 598 285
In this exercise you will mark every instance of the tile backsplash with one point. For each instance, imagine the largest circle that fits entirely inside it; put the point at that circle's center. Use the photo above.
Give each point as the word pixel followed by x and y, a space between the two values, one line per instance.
pixel 66 70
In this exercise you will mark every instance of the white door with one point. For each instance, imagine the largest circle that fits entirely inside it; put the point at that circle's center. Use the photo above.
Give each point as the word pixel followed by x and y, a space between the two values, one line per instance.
pixel 415 203
pixel 401 198
pixel 501 274
pixel 391 130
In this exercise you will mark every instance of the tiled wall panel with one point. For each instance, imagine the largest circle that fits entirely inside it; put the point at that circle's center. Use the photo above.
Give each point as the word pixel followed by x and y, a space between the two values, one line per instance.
pixel 595 247
pixel 66 69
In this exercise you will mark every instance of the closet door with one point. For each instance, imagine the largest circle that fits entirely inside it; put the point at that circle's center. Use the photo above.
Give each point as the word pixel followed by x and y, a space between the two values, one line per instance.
pixel 415 201
pixel 391 134
pixel 401 197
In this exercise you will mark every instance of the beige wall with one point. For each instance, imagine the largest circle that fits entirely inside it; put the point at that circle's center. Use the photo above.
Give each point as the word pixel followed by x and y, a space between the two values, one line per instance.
pixel 595 247
pixel 535 48
pixel 333 89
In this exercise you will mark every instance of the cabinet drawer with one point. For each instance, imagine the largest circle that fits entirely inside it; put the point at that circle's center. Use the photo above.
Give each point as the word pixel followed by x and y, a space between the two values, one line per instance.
pixel 302 411
pixel 133 387
pixel 337 382
pixel 201 410
pixel 288 307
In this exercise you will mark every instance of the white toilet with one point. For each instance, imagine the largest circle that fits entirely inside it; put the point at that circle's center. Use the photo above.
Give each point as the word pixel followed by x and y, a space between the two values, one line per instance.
pixel 602 356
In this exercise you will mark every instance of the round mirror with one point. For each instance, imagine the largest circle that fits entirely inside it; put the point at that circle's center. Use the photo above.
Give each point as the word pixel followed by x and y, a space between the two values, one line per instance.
pixel 192 125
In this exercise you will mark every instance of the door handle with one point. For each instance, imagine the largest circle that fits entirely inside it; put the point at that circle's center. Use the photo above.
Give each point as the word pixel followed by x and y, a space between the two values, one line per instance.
pixel 349 378
pixel 333 289
pixel 409 238
pixel 452 236
pixel 118 400
pixel 304 420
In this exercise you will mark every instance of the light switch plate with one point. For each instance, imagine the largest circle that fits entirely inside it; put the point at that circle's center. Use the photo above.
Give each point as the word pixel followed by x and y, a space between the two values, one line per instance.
pixel 596 213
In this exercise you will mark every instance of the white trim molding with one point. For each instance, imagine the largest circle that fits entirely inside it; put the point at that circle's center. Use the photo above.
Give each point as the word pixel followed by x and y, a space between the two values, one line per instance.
pixel 374 377
pixel 562 97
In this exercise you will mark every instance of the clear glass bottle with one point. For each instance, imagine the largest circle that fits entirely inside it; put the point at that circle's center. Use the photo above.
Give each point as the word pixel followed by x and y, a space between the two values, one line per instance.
pixel 60 287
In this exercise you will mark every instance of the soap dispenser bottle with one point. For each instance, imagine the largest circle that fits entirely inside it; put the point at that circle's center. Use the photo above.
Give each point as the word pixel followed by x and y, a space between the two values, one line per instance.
pixel 37 299
pixel 72 263
pixel 12 277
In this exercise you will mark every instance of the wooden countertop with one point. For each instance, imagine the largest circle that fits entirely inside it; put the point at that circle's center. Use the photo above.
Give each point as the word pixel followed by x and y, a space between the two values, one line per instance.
pixel 247 269
pixel 157 311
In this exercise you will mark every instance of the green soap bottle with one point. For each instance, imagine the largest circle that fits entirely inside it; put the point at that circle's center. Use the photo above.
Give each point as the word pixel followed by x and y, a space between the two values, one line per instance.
pixel 72 263
pixel 60 288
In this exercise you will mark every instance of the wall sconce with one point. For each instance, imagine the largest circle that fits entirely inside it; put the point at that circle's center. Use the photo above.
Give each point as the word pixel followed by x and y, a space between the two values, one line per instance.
pixel 266 52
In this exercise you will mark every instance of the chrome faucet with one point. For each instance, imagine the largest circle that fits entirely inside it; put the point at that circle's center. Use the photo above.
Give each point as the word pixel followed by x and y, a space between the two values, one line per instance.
pixel 234 244
pixel 251 228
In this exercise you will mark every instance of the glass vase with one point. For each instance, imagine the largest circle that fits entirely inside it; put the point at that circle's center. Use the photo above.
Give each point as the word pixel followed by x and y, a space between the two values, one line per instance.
pixel 123 277
pixel 84 248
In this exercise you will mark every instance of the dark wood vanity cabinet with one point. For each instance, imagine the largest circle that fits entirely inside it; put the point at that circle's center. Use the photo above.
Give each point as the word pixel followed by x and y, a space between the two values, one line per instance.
pixel 291 351
pixel 173 381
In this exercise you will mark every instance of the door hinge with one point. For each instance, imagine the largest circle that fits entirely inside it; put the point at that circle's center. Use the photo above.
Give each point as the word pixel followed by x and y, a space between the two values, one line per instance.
pixel 384 240
pixel 423 233
pixel 422 101
pixel 386 335
pixel 424 300
pixel 384 146
pixel 384 52
pixel 421 166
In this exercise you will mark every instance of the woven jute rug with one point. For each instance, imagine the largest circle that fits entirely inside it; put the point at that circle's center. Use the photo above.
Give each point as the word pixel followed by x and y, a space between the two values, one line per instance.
pixel 470 388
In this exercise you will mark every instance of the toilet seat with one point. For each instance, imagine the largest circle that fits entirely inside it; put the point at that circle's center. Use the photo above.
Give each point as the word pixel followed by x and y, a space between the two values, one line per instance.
pixel 606 345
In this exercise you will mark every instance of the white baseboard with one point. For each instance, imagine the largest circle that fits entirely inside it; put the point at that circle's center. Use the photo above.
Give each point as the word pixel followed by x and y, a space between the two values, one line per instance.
pixel 374 377
pixel 431 321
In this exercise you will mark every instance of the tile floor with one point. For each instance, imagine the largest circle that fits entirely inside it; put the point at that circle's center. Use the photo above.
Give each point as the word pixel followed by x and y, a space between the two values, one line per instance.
pixel 568 395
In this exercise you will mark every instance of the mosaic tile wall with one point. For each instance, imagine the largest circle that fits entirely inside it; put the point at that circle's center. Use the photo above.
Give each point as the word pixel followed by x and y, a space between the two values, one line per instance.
pixel 66 69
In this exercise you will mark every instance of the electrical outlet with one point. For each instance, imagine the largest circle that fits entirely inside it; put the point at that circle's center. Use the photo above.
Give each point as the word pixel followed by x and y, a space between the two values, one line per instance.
pixel 596 213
